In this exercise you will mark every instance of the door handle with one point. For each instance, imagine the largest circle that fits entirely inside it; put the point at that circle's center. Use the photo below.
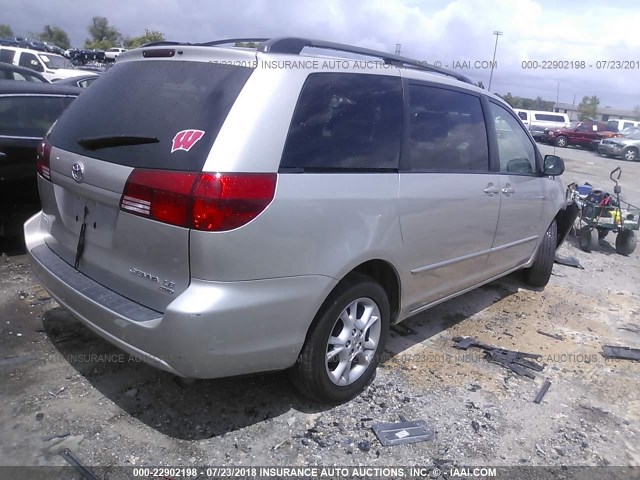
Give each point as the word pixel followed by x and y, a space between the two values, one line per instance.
pixel 491 190
pixel 508 190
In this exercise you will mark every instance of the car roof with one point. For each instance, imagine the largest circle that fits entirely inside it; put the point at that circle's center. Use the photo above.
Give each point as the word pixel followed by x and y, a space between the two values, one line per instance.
pixel 15 87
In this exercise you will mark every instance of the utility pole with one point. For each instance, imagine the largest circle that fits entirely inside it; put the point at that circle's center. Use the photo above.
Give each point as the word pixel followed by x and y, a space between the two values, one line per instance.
pixel 398 47
pixel 497 34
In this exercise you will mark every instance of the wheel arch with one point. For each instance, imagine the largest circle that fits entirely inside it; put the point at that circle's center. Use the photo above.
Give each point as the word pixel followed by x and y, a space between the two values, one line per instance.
pixel 565 218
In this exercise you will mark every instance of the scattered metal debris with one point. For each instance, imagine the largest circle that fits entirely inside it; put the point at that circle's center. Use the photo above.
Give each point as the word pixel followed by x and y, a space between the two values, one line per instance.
pixel 72 460
pixel 623 353
pixel 568 261
pixel 542 392
pixel 555 336
pixel 518 362
pixel 630 327
pixel 400 433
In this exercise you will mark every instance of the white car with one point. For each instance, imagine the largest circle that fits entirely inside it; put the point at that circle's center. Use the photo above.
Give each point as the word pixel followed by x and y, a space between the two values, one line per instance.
pixel 113 53
pixel 51 66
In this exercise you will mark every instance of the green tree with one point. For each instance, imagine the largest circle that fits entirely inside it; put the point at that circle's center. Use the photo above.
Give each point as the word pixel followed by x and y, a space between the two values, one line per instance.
pixel 148 37
pixel 5 31
pixel 588 108
pixel 103 36
pixel 55 35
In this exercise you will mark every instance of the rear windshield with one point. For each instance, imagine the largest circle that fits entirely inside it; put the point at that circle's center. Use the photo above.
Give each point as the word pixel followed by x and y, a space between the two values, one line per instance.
pixel 182 104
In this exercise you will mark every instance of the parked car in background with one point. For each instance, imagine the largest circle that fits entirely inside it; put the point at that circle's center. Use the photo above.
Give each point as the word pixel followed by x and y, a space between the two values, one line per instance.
pixel 51 66
pixel 537 121
pixel 82 82
pixel 113 53
pixel 322 234
pixel 27 110
pixel 577 133
pixel 627 146
pixel 620 125
pixel 38 45
pixel 624 133
pixel 13 72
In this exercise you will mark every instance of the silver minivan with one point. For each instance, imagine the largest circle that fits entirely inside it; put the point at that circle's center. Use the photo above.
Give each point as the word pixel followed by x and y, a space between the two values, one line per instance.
pixel 220 211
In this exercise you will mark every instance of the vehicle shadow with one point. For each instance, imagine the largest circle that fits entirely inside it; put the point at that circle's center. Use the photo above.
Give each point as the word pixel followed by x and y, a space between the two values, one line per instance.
pixel 189 411
pixel 427 324
pixel 209 408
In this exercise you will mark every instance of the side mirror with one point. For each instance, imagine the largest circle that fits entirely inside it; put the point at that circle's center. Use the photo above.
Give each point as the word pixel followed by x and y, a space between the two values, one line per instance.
pixel 553 166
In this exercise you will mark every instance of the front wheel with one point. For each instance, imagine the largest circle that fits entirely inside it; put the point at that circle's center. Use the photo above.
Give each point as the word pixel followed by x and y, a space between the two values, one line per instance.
pixel 539 273
pixel 561 141
pixel 625 242
pixel 343 347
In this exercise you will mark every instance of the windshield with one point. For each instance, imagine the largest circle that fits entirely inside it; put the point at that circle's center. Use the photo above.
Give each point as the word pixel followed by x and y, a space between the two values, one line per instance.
pixel 573 124
pixel 634 136
pixel 55 61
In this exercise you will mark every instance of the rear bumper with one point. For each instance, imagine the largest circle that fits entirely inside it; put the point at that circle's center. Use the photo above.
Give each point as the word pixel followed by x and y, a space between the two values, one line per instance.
pixel 211 330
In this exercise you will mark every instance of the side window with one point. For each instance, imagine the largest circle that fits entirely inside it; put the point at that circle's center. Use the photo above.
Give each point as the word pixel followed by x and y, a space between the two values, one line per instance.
pixel 6 56
pixel 29 116
pixel 517 153
pixel 583 127
pixel 446 131
pixel 522 115
pixel 627 125
pixel 346 121
pixel 29 60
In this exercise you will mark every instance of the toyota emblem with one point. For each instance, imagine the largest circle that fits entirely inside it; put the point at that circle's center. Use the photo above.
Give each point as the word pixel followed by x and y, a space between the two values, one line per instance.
pixel 77 172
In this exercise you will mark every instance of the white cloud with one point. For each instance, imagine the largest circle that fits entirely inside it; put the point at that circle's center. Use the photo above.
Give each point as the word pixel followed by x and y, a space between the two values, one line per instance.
pixel 436 30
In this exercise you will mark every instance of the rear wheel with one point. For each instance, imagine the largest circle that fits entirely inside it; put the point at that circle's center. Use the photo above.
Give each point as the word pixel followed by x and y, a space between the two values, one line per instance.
pixel 344 345
pixel 588 238
pixel 561 141
pixel 625 242
pixel 630 154
pixel 539 273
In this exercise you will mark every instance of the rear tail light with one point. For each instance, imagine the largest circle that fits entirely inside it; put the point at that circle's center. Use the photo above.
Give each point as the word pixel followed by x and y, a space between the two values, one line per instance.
pixel 42 159
pixel 212 202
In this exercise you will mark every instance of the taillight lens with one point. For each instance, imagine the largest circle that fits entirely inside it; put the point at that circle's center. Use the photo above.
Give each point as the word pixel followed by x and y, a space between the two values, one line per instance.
pixel 43 159
pixel 212 202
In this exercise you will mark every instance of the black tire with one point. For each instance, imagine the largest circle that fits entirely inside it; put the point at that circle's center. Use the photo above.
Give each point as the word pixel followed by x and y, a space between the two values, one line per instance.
pixel 309 374
pixel 626 242
pixel 602 233
pixel 588 238
pixel 538 274
pixel 561 141
pixel 630 154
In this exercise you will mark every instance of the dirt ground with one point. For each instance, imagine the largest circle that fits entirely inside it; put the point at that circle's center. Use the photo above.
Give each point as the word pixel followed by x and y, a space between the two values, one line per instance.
pixel 61 386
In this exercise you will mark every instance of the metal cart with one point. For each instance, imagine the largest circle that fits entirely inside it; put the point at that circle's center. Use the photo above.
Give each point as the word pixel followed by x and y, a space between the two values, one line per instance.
pixel 600 214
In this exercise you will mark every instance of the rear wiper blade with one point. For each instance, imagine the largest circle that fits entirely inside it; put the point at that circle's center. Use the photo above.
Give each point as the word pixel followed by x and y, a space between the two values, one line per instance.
pixel 96 143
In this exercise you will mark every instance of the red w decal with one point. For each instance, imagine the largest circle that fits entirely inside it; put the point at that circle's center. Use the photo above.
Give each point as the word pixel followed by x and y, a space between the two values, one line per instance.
pixel 185 139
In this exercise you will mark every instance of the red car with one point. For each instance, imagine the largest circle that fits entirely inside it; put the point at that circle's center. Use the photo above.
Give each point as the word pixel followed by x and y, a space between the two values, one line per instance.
pixel 577 133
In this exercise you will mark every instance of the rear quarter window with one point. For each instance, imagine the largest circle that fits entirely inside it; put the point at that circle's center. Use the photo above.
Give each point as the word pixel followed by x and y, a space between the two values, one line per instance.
pixel 153 98
pixel 346 121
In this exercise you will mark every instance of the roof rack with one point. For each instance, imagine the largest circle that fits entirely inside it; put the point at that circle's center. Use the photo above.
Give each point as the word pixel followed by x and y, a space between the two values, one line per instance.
pixel 231 40
pixel 295 45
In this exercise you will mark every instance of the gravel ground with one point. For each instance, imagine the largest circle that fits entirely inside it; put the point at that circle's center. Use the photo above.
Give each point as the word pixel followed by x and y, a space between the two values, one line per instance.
pixel 61 386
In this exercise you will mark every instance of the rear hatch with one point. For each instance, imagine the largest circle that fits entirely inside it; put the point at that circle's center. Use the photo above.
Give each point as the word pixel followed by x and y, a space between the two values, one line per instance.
pixel 146 127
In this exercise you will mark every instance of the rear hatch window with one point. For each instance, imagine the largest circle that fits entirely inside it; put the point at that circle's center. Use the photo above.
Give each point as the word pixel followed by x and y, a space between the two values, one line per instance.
pixel 173 106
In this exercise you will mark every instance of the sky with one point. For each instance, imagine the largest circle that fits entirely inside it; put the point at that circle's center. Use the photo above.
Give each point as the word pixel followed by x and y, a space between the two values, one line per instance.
pixel 444 31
